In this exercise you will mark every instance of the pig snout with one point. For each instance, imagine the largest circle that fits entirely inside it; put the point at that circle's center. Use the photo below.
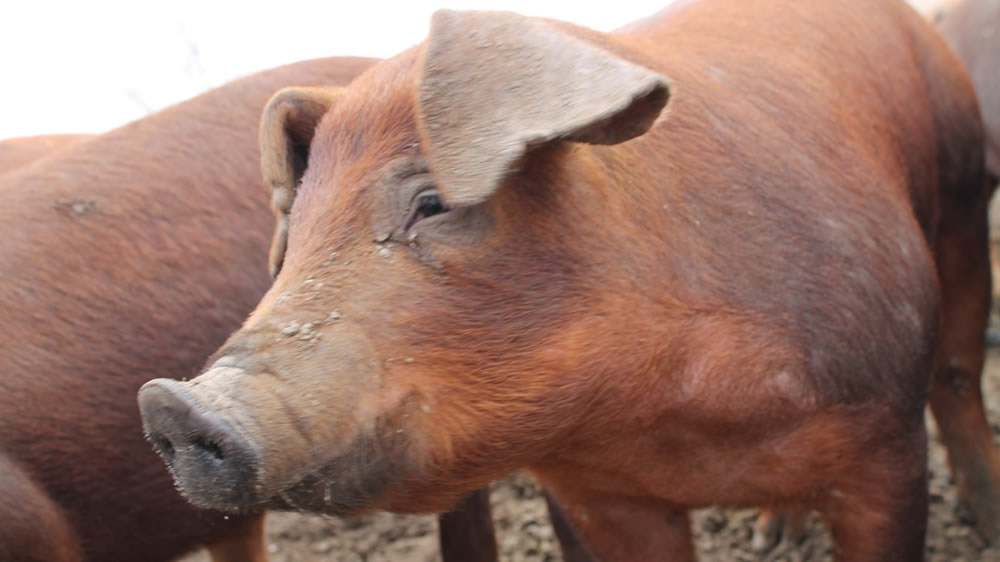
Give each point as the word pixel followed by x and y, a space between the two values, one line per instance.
pixel 268 419
pixel 213 464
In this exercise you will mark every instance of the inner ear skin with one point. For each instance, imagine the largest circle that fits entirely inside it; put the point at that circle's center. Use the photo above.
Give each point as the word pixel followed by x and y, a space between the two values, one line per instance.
pixel 301 122
pixel 299 153
pixel 288 125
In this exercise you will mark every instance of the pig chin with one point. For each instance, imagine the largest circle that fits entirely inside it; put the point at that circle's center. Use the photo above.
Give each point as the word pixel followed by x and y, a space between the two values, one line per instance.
pixel 353 482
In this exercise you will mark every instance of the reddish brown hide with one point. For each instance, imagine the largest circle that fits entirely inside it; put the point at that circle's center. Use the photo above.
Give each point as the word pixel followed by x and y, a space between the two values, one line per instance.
pixel 128 255
pixel 711 258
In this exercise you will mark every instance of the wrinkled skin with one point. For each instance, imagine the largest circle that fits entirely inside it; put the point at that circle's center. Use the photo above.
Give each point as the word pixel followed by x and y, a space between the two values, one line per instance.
pixel 699 280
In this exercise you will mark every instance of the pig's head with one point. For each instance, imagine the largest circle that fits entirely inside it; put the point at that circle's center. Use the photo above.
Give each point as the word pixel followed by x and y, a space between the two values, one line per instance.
pixel 440 313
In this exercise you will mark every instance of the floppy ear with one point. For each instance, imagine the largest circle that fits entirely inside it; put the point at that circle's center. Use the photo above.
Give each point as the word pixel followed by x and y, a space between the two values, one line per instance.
pixel 286 131
pixel 496 84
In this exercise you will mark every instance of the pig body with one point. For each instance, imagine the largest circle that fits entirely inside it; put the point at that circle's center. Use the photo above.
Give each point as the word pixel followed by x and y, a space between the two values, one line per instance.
pixel 711 258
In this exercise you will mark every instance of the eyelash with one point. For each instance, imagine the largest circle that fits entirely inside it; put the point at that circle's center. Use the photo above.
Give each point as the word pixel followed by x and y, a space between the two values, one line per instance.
pixel 426 204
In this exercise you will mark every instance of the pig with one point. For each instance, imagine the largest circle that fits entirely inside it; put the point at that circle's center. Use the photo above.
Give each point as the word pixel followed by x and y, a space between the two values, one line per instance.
pixel 713 257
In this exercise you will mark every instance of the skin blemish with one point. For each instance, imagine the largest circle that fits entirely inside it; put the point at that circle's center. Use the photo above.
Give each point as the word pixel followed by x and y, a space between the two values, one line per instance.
pixel 308 332
pixel 226 361
pixel 290 329
pixel 75 207
pixel 787 385
pixel 384 252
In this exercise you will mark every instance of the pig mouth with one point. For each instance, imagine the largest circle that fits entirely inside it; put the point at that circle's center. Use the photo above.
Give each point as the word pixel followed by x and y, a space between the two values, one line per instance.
pixel 356 480
pixel 349 485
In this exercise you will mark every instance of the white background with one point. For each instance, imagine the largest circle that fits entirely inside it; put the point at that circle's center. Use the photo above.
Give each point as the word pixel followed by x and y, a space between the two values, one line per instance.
pixel 91 65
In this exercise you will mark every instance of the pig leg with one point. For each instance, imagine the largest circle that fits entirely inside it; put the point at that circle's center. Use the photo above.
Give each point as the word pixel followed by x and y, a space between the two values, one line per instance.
pixel 573 549
pixel 466 532
pixel 956 399
pixel 246 543
pixel 32 527
pixel 617 529
pixel 878 512
pixel 993 212
pixel 992 334
pixel 776 530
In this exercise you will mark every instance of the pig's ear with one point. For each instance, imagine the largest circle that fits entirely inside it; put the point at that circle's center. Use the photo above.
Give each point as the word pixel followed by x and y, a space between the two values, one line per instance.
pixel 496 84
pixel 286 131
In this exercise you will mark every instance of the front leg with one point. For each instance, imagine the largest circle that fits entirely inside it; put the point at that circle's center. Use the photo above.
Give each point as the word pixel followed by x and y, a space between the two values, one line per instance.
pixel 466 532
pixel 245 543
pixel 878 512
pixel 624 529
pixel 573 549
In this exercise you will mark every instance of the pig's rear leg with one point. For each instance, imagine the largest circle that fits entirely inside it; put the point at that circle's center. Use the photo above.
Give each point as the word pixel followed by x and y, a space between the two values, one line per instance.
pixel 962 254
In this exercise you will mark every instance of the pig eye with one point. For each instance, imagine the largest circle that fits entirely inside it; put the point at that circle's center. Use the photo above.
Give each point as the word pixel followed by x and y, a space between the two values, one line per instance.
pixel 425 205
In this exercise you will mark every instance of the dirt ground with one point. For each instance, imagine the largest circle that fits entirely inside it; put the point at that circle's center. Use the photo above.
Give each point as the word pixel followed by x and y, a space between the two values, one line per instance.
pixel 524 533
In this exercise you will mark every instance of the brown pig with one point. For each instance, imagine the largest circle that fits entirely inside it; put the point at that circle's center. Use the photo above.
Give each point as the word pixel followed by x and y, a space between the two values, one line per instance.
pixel 713 257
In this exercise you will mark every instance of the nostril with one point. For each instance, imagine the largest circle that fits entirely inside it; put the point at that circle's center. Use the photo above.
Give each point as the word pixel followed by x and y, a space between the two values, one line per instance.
pixel 164 446
pixel 211 448
pixel 213 463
